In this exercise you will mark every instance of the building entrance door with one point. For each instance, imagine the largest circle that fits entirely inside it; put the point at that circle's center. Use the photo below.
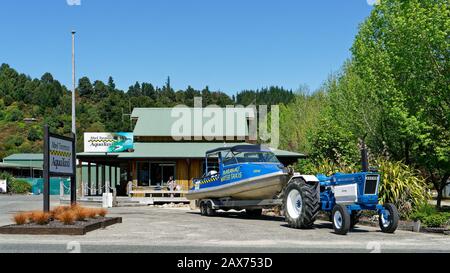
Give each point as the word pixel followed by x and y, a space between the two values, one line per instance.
pixel 161 173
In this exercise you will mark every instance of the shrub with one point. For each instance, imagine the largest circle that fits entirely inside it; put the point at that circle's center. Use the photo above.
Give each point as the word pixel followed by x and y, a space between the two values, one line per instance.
pixel 13 142
pixel 91 213
pixel 33 135
pixel 58 210
pixel 20 187
pixel 6 176
pixel 102 212
pixel 17 186
pixel 14 114
pixel 80 213
pixel 430 217
pixel 30 215
pixel 435 220
pixel 67 217
pixel 402 186
pixel 41 218
pixel 20 218
pixel 418 216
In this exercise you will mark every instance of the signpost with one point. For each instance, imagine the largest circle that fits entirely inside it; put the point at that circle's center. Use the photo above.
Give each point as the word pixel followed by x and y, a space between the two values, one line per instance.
pixel 59 161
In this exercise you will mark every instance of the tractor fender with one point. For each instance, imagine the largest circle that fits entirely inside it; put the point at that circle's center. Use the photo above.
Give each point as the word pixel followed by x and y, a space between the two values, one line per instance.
pixel 309 179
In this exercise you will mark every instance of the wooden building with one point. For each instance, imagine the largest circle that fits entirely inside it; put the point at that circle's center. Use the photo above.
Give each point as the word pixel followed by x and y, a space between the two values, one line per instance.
pixel 160 154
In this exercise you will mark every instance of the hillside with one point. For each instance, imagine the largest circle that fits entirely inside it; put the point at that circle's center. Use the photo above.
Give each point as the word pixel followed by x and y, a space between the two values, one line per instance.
pixel 27 104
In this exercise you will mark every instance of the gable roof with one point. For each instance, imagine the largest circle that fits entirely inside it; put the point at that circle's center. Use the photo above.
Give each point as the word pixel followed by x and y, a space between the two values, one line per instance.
pixel 25 157
pixel 158 122
pixel 4 165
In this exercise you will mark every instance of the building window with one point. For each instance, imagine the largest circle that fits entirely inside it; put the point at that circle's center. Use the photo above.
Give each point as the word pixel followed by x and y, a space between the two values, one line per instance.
pixel 155 173
pixel 161 173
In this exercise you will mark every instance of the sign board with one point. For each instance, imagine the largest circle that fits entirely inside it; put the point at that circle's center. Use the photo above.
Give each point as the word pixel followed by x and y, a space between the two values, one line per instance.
pixel 3 186
pixel 108 142
pixel 61 156
pixel 59 160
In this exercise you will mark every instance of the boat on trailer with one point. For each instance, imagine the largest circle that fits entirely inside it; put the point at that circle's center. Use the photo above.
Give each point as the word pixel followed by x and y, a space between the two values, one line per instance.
pixel 243 172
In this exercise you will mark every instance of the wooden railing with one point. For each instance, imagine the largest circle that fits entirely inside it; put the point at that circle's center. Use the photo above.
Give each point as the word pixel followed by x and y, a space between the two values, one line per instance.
pixel 157 191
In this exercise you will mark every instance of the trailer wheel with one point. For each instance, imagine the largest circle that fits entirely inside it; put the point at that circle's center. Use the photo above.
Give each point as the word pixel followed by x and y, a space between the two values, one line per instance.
pixel 203 209
pixel 301 204
pixel 253 212
pixel 209 210
pixel 389 219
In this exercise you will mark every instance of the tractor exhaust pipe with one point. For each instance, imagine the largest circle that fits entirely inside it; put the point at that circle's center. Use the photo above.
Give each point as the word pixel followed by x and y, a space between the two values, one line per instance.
pixel 364 156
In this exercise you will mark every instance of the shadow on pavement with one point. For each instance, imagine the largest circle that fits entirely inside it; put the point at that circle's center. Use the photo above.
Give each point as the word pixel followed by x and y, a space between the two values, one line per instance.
pixel 242 216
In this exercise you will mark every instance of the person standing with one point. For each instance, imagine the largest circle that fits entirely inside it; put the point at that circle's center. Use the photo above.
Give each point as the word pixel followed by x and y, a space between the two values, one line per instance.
pixel 172 186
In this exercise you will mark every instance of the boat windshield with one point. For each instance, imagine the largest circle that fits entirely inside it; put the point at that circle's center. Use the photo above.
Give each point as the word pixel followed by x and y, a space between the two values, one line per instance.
pixel 250 157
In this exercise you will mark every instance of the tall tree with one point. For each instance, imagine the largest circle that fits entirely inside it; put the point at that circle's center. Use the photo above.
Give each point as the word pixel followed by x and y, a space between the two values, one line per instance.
pixel 111 84
pixel 401 71
pixel 85 87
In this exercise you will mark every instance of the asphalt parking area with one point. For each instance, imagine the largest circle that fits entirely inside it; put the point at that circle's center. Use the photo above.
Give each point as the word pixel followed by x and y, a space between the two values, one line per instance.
pixel 182 230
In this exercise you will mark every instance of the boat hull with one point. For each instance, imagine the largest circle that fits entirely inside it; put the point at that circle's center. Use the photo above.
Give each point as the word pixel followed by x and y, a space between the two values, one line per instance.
pixel 256 188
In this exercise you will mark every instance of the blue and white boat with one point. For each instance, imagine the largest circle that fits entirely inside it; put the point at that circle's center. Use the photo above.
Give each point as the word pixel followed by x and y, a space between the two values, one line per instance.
pixel 244 172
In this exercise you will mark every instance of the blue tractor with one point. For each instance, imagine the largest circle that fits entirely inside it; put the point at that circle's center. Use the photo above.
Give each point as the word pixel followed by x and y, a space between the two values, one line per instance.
pixel 345 196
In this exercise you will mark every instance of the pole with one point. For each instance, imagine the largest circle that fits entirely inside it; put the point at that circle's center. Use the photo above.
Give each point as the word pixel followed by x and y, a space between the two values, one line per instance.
pixel 73 179
pixel 74 123
pixel 89 187
pixel 115 177
pixel 46 170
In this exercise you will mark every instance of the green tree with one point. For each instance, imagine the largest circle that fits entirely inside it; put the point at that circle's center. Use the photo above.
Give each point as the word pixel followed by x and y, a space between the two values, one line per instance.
pixel 85 87
pixel 111 84
pixel 299 120
pixel 33 135
pixel 402 54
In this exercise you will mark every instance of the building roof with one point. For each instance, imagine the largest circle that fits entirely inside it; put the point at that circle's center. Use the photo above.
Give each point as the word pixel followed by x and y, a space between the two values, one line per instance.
pixel 241 149
pixel 175 150
pixel 4 165
pixel 158 122
pixel 25 157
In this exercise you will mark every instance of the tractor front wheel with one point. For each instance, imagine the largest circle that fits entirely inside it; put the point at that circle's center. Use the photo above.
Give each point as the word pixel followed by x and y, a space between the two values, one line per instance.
pixel 354 218
pixel 389 218
pixel 301 204
pixel 341 220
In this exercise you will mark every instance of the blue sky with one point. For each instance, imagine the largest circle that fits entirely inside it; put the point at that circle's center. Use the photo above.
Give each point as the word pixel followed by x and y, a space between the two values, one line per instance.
pixel 229 45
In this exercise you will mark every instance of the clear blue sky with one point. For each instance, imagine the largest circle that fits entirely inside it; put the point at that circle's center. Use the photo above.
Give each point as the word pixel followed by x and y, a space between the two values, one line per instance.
pixel 229 45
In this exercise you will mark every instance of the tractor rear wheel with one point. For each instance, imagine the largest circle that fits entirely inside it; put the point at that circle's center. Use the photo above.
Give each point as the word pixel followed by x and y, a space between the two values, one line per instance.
pixel 389 219
pixel 301 203
pixel 341 220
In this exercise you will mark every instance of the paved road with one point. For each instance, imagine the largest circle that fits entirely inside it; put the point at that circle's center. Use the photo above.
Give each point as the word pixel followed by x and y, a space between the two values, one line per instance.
pixel 158 230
